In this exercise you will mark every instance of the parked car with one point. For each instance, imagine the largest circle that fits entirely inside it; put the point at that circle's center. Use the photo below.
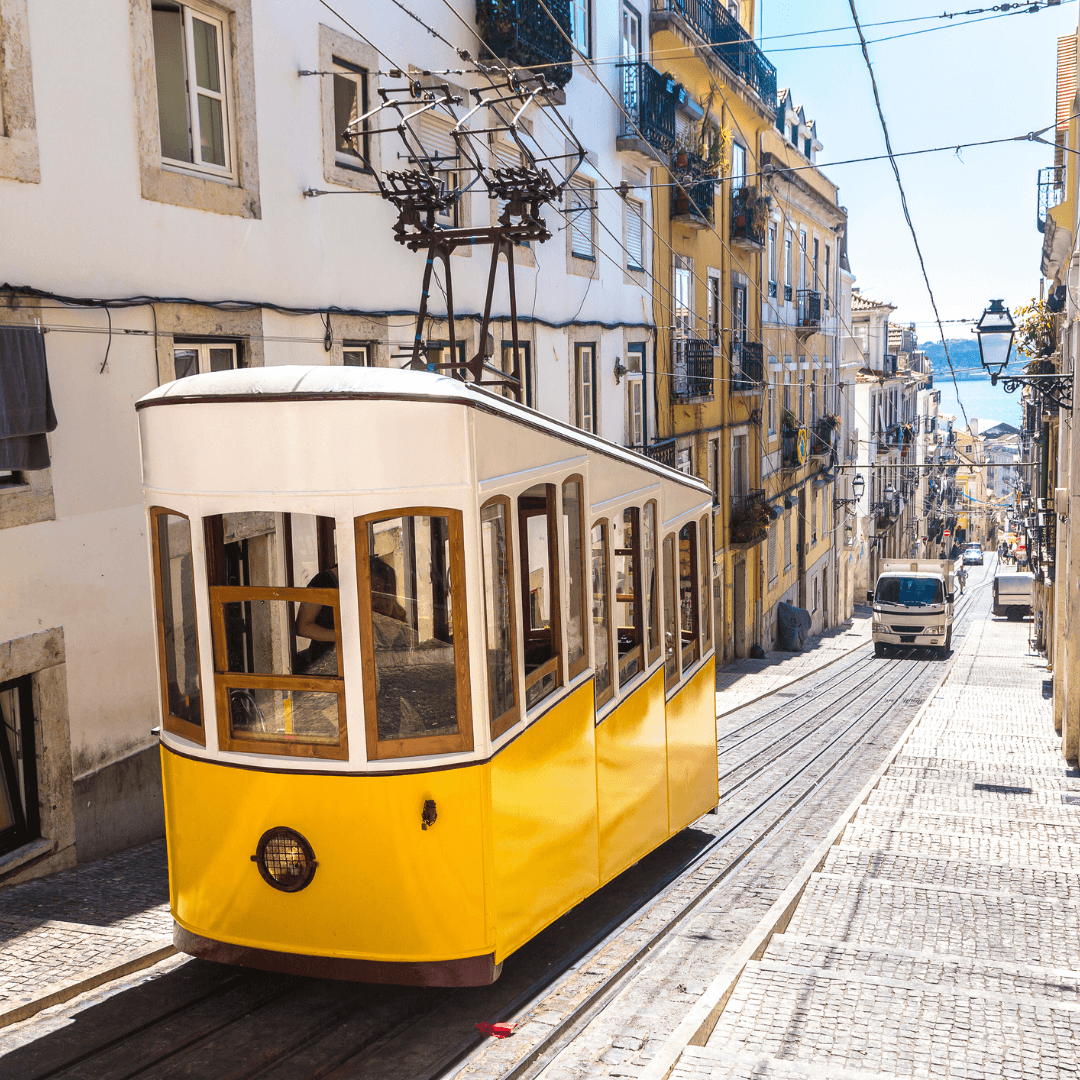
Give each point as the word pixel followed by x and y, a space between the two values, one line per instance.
pixel 973 555
pixel 1012 595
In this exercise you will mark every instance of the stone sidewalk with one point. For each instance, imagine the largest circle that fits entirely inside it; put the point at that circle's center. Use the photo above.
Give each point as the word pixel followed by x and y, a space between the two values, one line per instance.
pixel 64 934
pixel 745 681
pixel 941 936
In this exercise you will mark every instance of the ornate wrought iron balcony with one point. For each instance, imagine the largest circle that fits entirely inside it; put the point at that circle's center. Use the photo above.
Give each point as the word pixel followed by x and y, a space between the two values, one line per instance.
pixel 808 306
pixel 694 367
pixel 649 100
pixel 749 519
pixel 664 452
pixel 749 218
pixel 747 365
pixel 693 199
pixel 521 31
pixel 730 43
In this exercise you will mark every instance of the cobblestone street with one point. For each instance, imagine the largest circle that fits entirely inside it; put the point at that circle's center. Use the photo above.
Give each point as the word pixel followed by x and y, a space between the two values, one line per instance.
pixel 940 936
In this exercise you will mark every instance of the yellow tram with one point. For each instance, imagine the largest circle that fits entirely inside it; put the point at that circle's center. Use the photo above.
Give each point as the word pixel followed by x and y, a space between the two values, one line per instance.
pixel 433 667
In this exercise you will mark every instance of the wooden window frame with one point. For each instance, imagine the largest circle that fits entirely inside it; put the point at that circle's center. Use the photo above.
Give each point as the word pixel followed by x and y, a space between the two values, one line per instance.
pixel 26 823
pixel 175 725
pixel 501 724
pixel 639 610
pixel 695 599
pixel 705 585
pixel 670 589
pixel 462 742
pixel 585 360
pixel 611 657
pixel 582 662
pixel 653 654
pixel 555 663
pixel 225 680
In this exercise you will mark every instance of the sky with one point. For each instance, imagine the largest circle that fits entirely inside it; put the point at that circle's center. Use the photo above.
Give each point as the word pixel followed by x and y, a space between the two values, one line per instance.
pixel 974 214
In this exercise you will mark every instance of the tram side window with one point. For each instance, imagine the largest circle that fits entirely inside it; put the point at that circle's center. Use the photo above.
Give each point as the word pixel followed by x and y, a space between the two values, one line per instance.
pixel 705 573
pixel 178 641
pixel 275 613
pixel 649 579
pixel 574 538
pixel 688 593
pixel 496 557
pixel 628 614
pixel 603 689
pixel 540 592
pixel 410 573
pixel 671 616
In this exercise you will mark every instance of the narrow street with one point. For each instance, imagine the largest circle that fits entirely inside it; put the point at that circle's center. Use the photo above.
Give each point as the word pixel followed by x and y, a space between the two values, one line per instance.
pixel 610 977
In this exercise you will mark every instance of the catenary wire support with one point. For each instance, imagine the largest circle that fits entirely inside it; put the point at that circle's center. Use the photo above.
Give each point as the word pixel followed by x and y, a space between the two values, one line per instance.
pixel 427 195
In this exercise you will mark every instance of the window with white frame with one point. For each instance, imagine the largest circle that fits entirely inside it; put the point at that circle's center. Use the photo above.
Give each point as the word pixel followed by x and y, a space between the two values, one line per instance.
pixel 194 115
pixel 580 29
pixel 585 382
pixel 635 397
pixel 771 405
pixel 350 103
pixel 579 209
pixel 738 165
pixel 682 460
pixel 199 357
pixel 635 238
pixel 356 353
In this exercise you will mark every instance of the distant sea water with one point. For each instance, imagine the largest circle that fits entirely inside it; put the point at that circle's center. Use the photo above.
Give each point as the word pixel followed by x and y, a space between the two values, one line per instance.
pixel 989 404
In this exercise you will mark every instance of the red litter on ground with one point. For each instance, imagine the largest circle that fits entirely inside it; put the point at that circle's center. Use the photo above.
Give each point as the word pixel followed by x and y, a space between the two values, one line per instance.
pixel 499 1031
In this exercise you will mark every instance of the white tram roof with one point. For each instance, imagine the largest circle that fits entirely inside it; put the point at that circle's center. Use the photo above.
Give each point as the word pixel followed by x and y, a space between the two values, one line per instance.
pixel 339 383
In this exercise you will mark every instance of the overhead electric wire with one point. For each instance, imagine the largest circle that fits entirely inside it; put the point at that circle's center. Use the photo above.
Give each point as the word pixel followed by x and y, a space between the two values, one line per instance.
pixel 904 205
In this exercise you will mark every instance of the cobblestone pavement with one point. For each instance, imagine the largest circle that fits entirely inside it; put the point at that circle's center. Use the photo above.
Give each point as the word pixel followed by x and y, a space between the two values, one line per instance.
pixel 941 937
pixel 744 681
pixel 54 930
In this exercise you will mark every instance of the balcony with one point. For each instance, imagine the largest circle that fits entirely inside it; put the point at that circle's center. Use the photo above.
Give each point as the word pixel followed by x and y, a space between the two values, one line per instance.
pixel 694 367
pixel 749 520
pixel 1051 192
pixel 808 311
pixel 823 438
pixel 649 100
pixel 663 452
pixel 693 197
pixel 749 218
pixel 521 31
pixel 711 23
pixel 747 366
pixel 795 448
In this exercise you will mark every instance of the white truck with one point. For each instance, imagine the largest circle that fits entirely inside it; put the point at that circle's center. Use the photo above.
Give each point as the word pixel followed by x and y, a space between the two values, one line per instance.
pixel 913 604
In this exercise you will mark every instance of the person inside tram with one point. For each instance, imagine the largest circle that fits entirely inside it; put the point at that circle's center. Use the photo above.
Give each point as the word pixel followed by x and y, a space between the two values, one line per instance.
pixel 316 622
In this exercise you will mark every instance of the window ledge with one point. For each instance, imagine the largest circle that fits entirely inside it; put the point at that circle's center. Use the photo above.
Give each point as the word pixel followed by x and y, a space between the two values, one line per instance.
pixel 587 258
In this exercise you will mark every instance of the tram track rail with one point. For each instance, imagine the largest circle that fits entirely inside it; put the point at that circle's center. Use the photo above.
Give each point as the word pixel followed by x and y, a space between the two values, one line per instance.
pixel 367 1023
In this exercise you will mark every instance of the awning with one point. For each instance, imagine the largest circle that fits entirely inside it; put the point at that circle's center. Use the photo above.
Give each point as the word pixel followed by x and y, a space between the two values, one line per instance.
pixel 26 409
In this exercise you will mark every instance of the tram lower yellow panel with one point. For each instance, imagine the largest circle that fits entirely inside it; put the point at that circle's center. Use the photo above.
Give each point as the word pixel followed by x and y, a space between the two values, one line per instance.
pixel 632 778
pixel 543 820
pixel 691 744
pixel 384 889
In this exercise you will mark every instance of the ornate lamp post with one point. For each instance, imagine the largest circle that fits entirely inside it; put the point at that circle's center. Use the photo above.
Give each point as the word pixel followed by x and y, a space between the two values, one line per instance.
pixel 858 486
pixel 995 330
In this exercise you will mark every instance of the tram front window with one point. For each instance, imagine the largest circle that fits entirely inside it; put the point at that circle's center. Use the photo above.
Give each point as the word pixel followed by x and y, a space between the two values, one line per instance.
pixel 540 592
pixel 628 613
pixel 276 617
pixel 410 570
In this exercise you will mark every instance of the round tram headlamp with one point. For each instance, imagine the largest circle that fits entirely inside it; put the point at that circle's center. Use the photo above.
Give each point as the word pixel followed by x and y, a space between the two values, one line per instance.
pixel 285 859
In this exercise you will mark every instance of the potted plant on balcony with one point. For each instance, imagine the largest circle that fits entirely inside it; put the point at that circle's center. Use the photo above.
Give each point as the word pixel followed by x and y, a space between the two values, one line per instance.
pixel 748 522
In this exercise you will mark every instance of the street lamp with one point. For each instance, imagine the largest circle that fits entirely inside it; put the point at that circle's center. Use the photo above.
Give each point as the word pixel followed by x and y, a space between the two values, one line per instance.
pixel 995 331
pixel 858 486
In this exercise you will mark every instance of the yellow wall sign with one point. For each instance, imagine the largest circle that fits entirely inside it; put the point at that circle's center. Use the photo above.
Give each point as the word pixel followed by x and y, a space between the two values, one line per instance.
pixel 802 446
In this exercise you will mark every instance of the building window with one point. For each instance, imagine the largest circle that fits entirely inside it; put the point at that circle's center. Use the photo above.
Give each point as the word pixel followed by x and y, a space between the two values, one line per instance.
pixel 714 469
pixel 787 389
pixel 714 315
pixel 787 539
pixel 682 460
pixel 19 820
pixel 585 382
pixel 788 264
pixel 350 103
pixel 740 464
pixel 603 687
pixel 635 397
pixel 802 258
pixel 580 28
pixel 772 260
pixel 497 560
pixel 540 602
pixel 827 282
pixel 738 165
pixel 770 402
pixel 524 369
pixel 635 238
pixel 194 115
pixel 579 208
pixel 199 357
pixel 773 568
pixel 356 354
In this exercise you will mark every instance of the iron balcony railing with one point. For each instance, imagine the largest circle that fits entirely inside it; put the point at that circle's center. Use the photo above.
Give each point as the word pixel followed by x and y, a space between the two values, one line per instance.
pixel 747 365
pixel 1051 192
pixel 693 367
pixel 649 99
pixel 663 452
pixel 749 217
pixel 732 45
pixel 522 31
pixel 694 194
pixel 808 304
pixel 749 518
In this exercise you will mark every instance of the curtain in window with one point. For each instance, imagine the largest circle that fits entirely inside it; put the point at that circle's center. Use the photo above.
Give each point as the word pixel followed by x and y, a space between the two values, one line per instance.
pixel 26 408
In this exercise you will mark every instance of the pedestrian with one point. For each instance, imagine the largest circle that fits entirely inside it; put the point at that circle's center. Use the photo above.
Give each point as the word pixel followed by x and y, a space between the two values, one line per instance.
pixel 961 577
